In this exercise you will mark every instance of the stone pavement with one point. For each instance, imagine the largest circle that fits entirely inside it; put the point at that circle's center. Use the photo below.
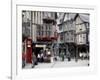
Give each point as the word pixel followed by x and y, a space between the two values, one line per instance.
pixel 60 64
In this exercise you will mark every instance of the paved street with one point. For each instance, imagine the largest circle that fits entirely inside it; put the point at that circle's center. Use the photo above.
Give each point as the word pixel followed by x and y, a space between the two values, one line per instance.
pixel 59 64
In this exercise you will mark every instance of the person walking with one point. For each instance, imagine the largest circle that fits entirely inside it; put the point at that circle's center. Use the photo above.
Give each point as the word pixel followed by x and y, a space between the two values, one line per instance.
pixel 62 55
pixel 68 56
pixel 23 60
pixel 34 60
pixel 42 60
pixel 38 57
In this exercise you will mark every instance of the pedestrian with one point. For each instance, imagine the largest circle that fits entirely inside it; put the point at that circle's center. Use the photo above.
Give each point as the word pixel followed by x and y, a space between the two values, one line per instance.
pixel 34 60
pixel 69 56
pixel 81 55
pixel 23 54
pixel 41 56
pixel 23 60
pixel 50 56
pixel 38 57
pixel 62 55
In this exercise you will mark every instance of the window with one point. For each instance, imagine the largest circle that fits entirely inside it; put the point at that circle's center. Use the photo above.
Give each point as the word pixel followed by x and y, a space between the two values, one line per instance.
pixel 46 27
pixel 80 35
pixel 61 20
pixel 87 25
pixel 37 33
pixel 71 38
pixel 67 33
pixel 81 29
pixel 48 14
pixel 42 33
pixel 84 37
pixel 49 34
pixel 49 27
pixel 60 27
pixel 61 36
pixel 71 32
pixel 67 39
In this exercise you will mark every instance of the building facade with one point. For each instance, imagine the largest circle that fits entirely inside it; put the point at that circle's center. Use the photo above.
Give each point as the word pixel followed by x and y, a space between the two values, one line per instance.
pixel 26 24
pixel 74 33
pixel 67 33
pixel 42 29
pixel 82 33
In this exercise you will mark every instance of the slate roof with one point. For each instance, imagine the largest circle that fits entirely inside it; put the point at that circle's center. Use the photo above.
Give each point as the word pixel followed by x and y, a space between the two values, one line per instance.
pixel 84 17
pixel 72 16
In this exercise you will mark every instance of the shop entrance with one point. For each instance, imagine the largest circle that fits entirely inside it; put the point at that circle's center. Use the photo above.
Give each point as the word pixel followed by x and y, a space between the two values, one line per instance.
pixel 38 50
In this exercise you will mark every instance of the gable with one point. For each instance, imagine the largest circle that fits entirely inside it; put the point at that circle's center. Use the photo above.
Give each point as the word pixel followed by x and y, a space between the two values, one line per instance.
pixel 78 20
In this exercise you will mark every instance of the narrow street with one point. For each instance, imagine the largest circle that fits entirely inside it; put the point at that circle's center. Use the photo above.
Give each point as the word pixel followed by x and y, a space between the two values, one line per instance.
pixel 60 64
